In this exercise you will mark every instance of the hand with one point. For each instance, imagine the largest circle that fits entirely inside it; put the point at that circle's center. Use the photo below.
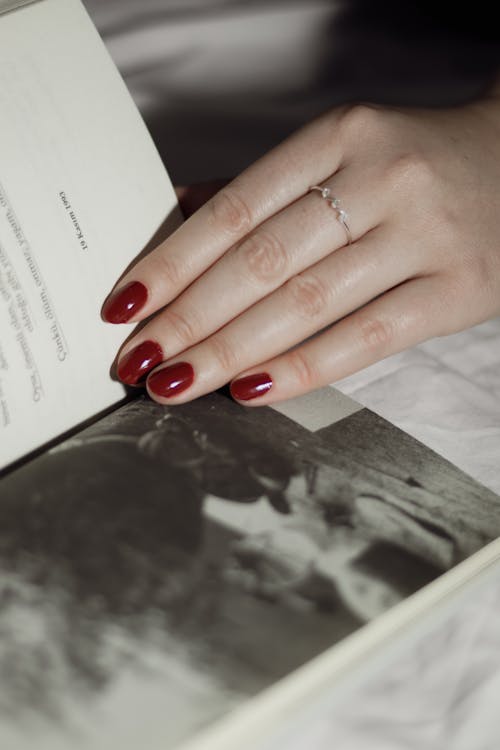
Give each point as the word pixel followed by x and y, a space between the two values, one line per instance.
pixel 259 286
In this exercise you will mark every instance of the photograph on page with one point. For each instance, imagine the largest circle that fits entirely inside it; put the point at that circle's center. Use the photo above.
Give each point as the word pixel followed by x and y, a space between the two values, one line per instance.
pixel 167 564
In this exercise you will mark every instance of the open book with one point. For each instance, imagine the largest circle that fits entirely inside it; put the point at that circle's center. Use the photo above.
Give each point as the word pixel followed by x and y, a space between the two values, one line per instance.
pixel 184 576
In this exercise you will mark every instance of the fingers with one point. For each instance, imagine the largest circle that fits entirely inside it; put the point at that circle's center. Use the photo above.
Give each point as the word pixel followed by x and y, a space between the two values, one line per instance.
pixel 265 188
pixel 304 305
pixel 260 269
pixel 401 318
pixel 275 252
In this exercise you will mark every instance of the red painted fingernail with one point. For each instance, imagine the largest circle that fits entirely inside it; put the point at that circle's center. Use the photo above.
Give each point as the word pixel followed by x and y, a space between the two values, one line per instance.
pixel 136 363
pixel 125 303
pixel 244 389
pixel 169 381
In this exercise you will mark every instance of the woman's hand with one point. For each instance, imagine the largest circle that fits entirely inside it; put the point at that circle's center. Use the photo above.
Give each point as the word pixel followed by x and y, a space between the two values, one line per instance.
pixel 260 286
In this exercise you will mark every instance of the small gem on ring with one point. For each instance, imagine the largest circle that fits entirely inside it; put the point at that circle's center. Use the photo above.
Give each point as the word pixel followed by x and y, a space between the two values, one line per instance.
pixel 342 215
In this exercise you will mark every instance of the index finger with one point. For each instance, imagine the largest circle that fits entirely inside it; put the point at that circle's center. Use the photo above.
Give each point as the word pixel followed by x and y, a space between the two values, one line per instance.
pixel 263 189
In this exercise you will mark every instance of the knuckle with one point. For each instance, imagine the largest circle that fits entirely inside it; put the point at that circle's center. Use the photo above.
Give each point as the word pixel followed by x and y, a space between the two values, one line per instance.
pixel 361 118
pixel 265 256
pixel 302 368
pixel 225 354
pixel 309 294
pixel 450 300
pixel 411 169
pixel 229 212
pixel 471 280
pixel 446 226
pixel 377 334
pixel 186 327
pixel 169 269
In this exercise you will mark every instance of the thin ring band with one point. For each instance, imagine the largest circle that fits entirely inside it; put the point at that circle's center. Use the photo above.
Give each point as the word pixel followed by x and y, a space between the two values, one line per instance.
pixel 326 193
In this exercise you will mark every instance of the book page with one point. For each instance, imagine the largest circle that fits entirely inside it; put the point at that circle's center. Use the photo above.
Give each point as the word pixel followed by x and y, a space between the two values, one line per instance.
pixel 193 576
pixel 82 192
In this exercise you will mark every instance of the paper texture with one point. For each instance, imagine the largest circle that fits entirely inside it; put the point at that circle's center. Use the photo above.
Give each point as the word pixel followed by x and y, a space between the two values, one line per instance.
pixel 170 564
pixel 82 192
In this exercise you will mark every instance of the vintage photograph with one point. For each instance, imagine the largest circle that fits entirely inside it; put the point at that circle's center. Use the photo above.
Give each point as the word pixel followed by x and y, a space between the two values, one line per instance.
pixel 166 564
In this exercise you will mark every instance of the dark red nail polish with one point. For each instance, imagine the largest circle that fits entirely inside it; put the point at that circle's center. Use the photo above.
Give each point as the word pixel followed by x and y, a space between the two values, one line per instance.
pixel 244 389
pixel 169 381
pixel 134 365
pixel 125 303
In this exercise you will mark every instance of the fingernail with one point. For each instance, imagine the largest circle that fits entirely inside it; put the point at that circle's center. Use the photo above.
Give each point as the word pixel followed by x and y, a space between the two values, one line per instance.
pixel 252 386
pixel 134 365
pixel 125 303
pixel 169 381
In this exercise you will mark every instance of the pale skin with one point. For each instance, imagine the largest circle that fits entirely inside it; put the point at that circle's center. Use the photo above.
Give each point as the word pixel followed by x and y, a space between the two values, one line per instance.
pixel 260 279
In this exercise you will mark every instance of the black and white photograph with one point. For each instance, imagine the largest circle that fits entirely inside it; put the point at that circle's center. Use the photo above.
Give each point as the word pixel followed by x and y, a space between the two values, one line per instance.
pixel 167 564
